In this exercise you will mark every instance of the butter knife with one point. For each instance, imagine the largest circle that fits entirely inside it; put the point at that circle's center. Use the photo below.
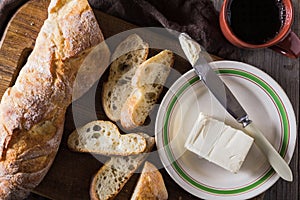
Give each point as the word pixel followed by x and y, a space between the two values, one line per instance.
pixel 194 53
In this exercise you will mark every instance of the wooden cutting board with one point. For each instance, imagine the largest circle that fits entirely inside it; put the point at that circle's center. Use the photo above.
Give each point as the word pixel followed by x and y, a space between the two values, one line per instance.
pixel 71 173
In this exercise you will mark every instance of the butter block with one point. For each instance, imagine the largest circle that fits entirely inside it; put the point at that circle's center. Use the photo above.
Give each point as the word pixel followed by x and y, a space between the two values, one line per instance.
pixel 219 143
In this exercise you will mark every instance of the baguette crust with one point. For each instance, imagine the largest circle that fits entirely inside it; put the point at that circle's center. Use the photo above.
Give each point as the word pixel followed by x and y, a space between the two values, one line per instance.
pixel 150 185
pixel 114 174
pixel 127 57
pixel 147 84
pixel 32 111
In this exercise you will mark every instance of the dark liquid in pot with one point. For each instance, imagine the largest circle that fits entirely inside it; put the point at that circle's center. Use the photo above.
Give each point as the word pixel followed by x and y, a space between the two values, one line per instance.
pixel 256 21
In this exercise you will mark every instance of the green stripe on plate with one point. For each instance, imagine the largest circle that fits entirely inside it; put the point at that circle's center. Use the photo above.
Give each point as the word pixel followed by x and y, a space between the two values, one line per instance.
pixel 274 96
pixel 284 119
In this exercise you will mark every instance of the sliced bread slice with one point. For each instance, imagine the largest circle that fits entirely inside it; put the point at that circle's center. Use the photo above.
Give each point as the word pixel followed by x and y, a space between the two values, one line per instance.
pixel 150 184
pixel 114 174
pixel 103 137
pixel 147 85
pixel 128 55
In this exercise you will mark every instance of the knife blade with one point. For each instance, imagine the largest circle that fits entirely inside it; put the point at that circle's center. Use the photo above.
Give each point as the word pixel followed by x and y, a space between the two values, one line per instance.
pixel 223 94
pixel 220 91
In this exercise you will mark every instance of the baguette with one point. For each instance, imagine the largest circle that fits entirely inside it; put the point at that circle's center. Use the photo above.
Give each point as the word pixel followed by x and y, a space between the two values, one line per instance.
pixel 114 174
pixel 32 111
pixel 147 85
pixel 103 137
pixel 128 55
pixel 150 184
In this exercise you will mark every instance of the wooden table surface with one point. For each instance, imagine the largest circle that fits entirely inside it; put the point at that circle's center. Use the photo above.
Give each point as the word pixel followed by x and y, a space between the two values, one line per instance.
pixel 284 70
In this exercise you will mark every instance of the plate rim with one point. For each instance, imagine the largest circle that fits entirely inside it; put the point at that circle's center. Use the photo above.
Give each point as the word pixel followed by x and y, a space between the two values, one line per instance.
pixel 289 148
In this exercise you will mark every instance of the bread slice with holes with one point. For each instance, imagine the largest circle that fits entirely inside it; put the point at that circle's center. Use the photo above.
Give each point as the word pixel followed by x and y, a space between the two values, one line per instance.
pixel 147 85
pixel 103 137
pixel 114 174
pixel 128 55
pixel 150 184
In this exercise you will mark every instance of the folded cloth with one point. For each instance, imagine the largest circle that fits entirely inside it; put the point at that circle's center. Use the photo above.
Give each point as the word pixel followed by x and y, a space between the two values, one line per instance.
pixel 198 18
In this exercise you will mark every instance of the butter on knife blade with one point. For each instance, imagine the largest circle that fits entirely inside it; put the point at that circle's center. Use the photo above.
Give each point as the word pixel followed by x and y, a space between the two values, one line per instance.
pixel 190 47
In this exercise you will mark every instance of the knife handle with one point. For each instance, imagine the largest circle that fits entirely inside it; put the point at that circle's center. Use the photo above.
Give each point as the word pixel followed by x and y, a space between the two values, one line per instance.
pixel 274 158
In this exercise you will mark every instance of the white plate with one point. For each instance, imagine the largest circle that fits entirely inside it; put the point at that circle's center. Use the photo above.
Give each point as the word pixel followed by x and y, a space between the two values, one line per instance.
pixel 268 107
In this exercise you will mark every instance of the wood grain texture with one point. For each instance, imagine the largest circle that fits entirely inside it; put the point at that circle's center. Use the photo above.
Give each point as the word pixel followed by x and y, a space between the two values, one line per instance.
pixel 70 175
pixel 19 41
